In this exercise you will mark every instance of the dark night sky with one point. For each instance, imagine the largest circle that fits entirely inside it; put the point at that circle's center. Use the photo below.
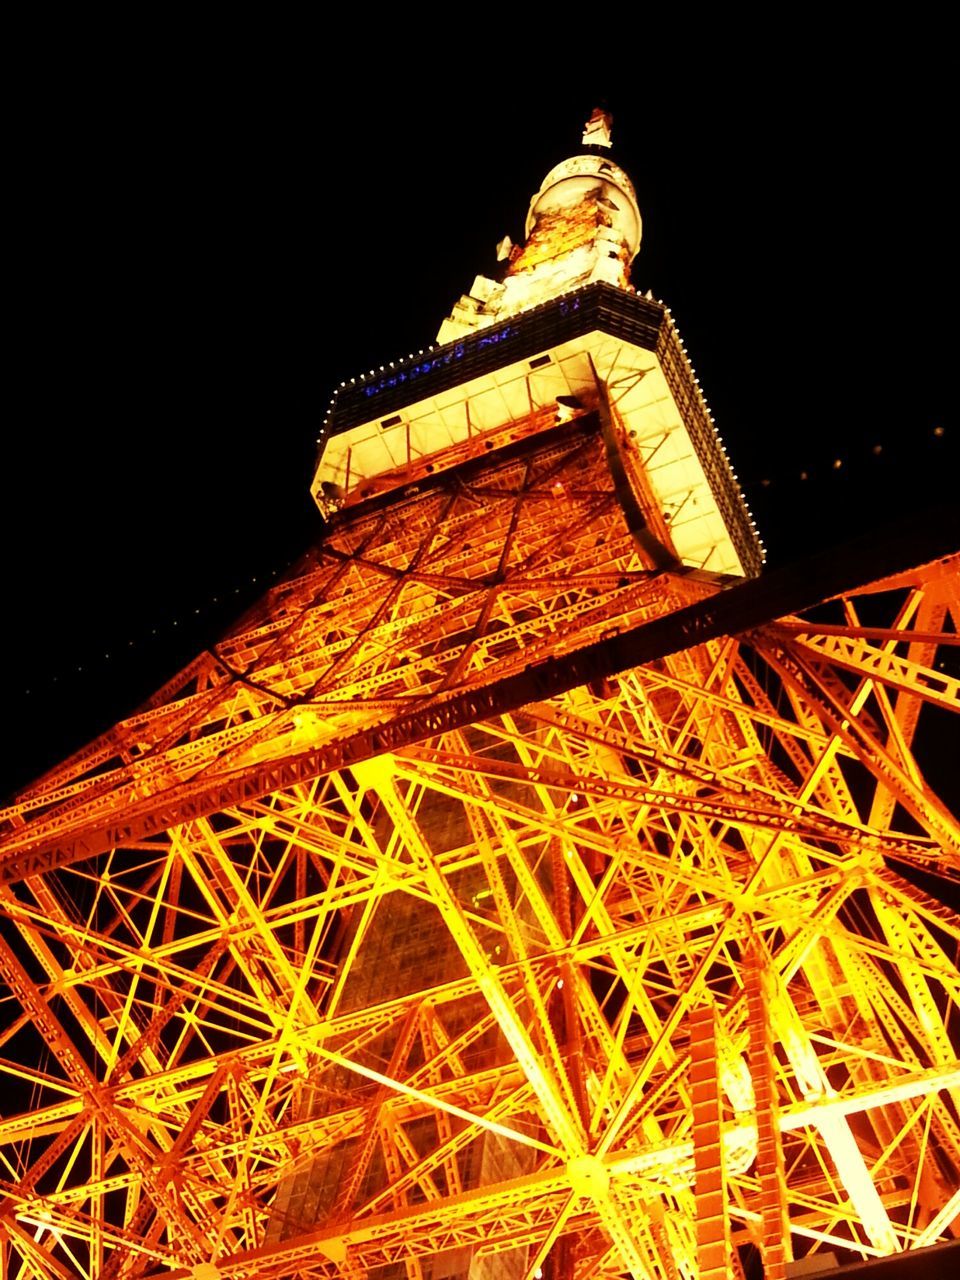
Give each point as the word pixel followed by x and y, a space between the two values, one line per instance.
pixel 207 243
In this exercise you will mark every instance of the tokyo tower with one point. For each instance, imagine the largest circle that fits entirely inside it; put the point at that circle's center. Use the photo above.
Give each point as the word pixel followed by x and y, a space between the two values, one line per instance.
pixel 528 887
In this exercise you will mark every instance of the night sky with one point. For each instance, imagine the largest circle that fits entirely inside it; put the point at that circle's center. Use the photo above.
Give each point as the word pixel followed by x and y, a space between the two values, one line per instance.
pixel 206 244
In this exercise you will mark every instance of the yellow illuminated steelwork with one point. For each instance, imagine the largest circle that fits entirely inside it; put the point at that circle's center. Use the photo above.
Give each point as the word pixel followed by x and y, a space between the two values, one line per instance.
pixel 518 892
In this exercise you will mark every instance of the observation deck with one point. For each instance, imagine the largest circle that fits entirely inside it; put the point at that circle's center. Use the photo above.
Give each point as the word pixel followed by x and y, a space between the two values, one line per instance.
pixel 419 417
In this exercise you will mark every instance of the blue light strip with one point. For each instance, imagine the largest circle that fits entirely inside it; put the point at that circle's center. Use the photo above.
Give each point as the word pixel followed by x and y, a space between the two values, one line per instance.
pixel 455 351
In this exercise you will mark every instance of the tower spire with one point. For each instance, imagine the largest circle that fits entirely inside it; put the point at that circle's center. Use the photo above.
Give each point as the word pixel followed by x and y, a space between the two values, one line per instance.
pixel 583 225
pixel 597 130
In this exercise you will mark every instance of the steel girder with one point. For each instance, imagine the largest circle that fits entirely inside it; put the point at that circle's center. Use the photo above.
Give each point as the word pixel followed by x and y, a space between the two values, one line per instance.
pixel 379 941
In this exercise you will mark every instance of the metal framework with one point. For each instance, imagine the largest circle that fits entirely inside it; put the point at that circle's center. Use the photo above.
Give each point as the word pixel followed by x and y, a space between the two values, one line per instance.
pixel 497 902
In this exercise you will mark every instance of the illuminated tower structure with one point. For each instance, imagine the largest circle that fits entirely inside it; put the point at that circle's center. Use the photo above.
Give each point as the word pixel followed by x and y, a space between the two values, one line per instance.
pixel 525 886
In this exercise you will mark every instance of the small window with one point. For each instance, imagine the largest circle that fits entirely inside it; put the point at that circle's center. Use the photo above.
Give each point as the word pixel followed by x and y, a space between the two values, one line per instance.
pixel 391 422
pixel 539 362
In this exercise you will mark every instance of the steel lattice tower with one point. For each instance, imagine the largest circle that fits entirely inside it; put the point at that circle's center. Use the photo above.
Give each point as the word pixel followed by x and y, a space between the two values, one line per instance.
pixel 525 887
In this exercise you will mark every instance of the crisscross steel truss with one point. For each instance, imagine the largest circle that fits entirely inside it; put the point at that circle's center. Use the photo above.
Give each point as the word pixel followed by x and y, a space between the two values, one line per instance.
pixel 495 903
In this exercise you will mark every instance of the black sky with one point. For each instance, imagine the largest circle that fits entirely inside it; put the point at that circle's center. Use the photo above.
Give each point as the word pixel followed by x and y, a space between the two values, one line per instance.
pixel 208 240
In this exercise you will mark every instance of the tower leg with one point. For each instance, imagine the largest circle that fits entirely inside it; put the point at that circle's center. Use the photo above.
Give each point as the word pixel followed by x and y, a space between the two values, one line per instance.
pixel 774 1220
pixel 713 1227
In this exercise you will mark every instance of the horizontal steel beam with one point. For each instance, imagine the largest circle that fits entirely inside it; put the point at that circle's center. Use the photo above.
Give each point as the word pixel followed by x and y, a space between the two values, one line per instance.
pixel 738 609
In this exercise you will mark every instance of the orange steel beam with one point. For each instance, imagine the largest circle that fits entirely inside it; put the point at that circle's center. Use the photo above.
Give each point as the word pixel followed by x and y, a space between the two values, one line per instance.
pixel 736 609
